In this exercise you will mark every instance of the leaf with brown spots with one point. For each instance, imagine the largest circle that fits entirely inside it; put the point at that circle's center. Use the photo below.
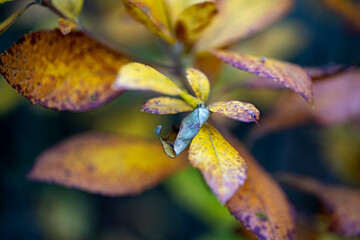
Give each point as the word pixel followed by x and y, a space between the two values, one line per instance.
pixel 193 20
pixel 71 72
pixel 290 75
pixel 153 14
pixel 241 111
pixel 103 163
pixel 223 168
pixel 238 19
pixel 341 203
pixel 260 204
pixel 165 105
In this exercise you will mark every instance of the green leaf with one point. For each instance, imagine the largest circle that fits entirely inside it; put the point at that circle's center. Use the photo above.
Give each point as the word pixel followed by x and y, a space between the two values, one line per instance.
pixel 70 8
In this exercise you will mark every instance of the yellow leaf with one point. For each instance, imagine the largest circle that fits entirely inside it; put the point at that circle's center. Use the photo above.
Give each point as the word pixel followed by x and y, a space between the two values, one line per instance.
pixel 66 26
pixel 105 163
pixel 221 165
pixel 238 19
pixel 290 75
pixel 193 20
pixel 137 76
pixel 165 105
pixel 176 7
pixel 10 20
pixel 2 1
pixel 153 14
pixel 241 111
pixel 199 83
pixel 70 8
pixel 71 72
pixel 191 100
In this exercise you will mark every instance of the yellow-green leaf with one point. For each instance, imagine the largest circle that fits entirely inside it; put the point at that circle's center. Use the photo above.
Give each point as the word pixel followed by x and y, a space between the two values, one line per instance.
pixel 199 83
pixel 190 99
pixel 165 105
pixel 153 14
pixel 2 1
pixel 137 76
pixel 290 75
pixel 71 72
pixel 238 19
pixel 221 165
pixel 108 164
pixel 193 20
pixel 241 111
pixel 13 17
pixel 70 8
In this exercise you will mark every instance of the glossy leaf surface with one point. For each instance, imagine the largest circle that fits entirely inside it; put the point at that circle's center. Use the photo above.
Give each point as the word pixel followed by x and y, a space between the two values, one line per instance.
pixel 221 165
pixel 108 164
pixel 62 72
pixel 238 19
pixel 241 111
pixel 165 105
pixel 290 75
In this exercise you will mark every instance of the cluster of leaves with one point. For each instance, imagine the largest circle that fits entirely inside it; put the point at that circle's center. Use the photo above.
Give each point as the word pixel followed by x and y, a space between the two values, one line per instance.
pixel 70 70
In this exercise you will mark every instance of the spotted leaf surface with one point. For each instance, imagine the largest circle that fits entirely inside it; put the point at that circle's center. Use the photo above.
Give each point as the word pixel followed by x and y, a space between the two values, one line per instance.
pixel 341 203
pixel 238 19
pixel 241 111
pixel 290 75
pixel 71 72
pixel 137 76
pixel 165 105
pixel 108 164
pixel 153 14
pixel 260 204
pixel 221 165
pixel 193 20
pixel 199 83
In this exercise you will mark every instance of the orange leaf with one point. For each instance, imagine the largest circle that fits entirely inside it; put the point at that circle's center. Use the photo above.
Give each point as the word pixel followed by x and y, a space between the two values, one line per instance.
pixel 221 165
pixel 241 111
pixel 71 72
pixel 105 163
pixel 342 204
pixel 193 20
pixel 260 204
pixel 238 19
pixel 290 75
pixel 66 26
pixel 153 14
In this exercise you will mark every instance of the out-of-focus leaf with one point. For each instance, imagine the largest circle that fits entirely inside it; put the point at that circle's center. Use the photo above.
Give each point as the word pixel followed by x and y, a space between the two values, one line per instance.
pixel 165 105
pixel 199 83
pixel 62 72
pixel 13 17
pixel 241 111
pixel 290 75
pixel 9 98
pixel 137 76
pixel 341 203
pixel 2 1
pixel 238 19
pixel 221 165
pixel 316 73
pixel 168 141
pixel 66 26
pixel 208 64
pixel 153 14
pixel 105 163
pixel 260 204
pixel 347 9
pixel 70 8
pixel 193 20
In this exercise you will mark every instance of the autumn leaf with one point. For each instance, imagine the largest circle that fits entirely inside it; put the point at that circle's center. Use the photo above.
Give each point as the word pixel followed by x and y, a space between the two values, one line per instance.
pixel 62 72
pixel 2 1
pixel 193 20
pixel 13 17
pixel 238 19
pixel 241 111
pixel 66 26
pixel 103 163
pixel 199 83
pixel 153 15
pixel 137 76
pixel 70 8
pixel 290 75
pixel 221 165
pixel 260 204
pixel 165 105
pixel 341 203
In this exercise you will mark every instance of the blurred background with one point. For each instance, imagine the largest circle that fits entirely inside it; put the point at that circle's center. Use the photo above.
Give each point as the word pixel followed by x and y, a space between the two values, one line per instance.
pixel 183 207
